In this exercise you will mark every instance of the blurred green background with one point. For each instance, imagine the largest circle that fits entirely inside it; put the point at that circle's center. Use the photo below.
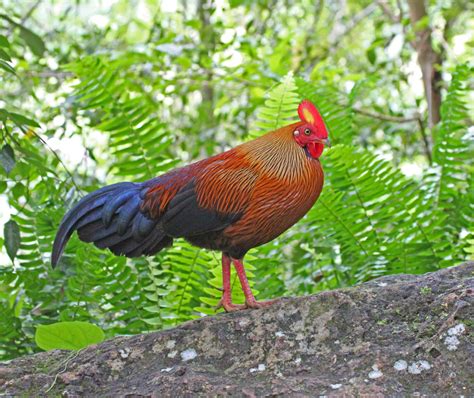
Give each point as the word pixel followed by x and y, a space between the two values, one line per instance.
pixel 95 92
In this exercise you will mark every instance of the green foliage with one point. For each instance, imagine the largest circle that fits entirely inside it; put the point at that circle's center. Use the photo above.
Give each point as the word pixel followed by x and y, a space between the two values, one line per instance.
pixel 11 234
pixel 453 186
pixel 137 98
pixel 7 158
pixel 279 109
pixel 31 39
pixel 137 139
pixel 5 57
pixel 68 335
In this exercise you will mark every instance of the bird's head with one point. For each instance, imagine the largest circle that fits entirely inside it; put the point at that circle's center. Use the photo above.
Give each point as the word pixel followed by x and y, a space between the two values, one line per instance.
pixel 311 134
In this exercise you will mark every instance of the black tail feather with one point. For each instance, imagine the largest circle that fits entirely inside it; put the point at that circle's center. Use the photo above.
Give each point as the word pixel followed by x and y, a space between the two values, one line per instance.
pixel 111 218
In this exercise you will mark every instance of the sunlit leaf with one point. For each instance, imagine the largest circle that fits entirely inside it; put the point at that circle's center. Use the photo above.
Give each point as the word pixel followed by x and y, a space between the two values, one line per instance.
pixel 4 55
pixel 11 233
pixel 5 66
pixel 4 42
pixel 34 42
pixel 22 120
pixel 7 158
pixel 68 335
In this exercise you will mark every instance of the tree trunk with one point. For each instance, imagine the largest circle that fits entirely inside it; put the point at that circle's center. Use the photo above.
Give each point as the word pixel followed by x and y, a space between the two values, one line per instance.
pixel 428 60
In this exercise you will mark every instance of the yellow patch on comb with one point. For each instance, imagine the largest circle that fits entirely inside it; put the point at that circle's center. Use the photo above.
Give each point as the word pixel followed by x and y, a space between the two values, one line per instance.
pixel 308 116
pixel 308 112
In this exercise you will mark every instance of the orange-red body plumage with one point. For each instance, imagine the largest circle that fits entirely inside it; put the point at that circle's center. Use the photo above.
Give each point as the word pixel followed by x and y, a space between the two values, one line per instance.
pixel 270 180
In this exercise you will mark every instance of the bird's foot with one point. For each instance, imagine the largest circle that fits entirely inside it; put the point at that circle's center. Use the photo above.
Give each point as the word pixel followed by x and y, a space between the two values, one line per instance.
pixel 229 306
pixel 259 304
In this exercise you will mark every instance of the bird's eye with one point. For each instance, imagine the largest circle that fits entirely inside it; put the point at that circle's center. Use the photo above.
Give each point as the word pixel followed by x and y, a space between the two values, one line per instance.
pixel 307 131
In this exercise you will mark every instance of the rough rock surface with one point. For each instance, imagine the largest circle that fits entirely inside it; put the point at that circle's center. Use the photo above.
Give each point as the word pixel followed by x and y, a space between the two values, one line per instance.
pixel 394 336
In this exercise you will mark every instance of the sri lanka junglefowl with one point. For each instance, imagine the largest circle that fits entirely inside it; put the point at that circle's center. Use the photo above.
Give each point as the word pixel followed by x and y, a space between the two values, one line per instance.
pixel 230 202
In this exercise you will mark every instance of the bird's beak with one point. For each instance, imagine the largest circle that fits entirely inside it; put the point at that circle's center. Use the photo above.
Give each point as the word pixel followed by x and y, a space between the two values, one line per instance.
pixel 325 142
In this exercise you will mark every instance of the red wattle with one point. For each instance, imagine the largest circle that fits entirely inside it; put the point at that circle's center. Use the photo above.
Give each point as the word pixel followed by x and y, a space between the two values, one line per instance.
pixel 315 149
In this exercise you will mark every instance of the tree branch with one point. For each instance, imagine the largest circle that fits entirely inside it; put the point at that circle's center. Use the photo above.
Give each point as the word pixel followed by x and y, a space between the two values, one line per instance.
pixel 388 11
pixel 31 11
pixel 340 30
pixel 25 18
pixel 388 118
pixel 400 119
pixel 47 73
pixel 426 141
pixel 56 155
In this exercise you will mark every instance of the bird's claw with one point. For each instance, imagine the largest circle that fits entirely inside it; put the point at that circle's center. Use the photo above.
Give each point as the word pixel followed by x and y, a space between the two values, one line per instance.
pixel 229 306
pixel 254 304
pixel 259 304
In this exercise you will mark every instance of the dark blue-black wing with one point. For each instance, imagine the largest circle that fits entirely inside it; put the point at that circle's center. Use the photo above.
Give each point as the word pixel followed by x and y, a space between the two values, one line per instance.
pixel 184 217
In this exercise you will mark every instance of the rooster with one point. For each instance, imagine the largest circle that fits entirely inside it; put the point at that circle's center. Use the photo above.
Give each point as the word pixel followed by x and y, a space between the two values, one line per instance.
pixel 230 202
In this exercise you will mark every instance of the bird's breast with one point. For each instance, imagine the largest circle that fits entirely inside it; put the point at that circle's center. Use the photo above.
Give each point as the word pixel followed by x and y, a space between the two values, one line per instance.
pixel 277 203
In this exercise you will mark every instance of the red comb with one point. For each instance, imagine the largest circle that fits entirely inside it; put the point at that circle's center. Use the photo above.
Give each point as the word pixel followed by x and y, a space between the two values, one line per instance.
pixel 309 114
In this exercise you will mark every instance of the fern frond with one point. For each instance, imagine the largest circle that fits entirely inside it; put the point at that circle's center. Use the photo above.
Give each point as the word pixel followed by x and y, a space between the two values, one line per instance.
pixel 188 271
pixel 448 185
pixel 453 153
pixel 138 140
pixel 279 108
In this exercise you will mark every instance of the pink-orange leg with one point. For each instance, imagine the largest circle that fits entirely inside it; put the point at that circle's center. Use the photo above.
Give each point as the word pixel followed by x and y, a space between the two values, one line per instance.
pixel 250 301
pixel 226 300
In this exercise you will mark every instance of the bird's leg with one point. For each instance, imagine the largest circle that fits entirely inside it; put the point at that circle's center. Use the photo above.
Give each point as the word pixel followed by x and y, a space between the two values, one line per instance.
pixel 226 300
pixel 250 301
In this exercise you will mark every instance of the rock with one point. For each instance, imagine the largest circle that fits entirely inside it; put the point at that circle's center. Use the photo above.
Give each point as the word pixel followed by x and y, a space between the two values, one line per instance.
pixel 394 336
